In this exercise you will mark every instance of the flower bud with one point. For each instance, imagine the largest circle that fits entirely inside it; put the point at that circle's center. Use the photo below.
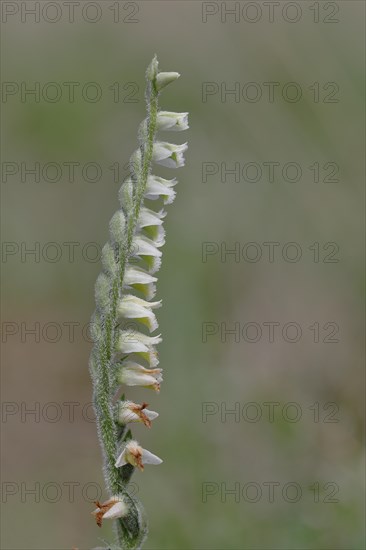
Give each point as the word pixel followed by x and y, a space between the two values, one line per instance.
pixel 163 79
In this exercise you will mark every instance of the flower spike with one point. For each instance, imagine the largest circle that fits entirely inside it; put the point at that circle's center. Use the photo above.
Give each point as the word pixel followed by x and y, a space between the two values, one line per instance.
pixel 125 321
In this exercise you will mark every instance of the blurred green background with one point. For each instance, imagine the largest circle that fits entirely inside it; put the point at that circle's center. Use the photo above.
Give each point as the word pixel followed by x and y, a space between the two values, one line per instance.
pixel 223 451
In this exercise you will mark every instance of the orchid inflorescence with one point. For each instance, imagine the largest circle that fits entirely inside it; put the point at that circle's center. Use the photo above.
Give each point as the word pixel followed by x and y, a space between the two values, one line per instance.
pixel 124 293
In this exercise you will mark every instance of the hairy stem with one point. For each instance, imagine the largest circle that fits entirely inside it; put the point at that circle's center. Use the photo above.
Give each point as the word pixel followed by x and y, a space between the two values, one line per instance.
pixel 103 352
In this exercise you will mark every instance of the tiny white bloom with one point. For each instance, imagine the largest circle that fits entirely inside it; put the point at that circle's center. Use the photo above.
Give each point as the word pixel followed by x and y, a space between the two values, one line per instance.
pixel 148 250
pixel 132 412
pixel 149 217
pixel 139 279
pixel 132 307
pixel 164 78
pixel 157 187
pixel 152 224
pixel 133 374
pixel 172 121
pixel 113 508
pixel 132 341
pixel 170 155
pixel 137 456
pixel 143 246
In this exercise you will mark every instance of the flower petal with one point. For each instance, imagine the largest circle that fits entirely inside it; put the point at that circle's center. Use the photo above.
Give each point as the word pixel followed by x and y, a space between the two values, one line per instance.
pixel 149 458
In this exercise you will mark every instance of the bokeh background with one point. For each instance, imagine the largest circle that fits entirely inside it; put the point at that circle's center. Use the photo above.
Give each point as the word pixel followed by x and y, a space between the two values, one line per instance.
pixel 52 456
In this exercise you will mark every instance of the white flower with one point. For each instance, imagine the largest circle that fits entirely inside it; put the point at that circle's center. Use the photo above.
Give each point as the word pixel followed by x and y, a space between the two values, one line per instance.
pixel 164 78
pixel 137 456
pixel 172 121
pixel 150 218
pixel 152 224
pixel 157 187
pixel 143 246
pixel 132 412
pixel 148 249
pixel 138 279
pixel 133 374
pixel 131 307
pixel 169 154
pixel 132 341
pixel 113 508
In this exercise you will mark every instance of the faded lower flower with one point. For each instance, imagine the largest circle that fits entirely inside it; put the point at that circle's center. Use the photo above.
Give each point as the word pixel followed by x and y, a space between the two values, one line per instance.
pixel 136 456
pixel 133 374
pixel 113 508
pixel 132 412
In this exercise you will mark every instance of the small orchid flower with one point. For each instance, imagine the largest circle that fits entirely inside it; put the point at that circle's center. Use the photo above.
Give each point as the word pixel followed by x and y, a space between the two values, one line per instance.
pixel 131 307
pixel 159 187
pixel 139 279
pixel 175 122
pixel 113 508
pixel 169 154
pixel 152 224
pixel 132 341
pixel 149 218
pixel 136 456
pixel 133 374
pixel 132 412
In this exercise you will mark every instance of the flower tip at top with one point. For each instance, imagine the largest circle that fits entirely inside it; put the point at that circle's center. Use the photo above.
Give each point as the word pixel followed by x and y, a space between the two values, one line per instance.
pixel 163 79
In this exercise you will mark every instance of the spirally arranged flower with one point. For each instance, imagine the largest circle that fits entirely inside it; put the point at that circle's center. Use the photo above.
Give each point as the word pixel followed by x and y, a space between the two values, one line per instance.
pixel 113 508
pixel 125 321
